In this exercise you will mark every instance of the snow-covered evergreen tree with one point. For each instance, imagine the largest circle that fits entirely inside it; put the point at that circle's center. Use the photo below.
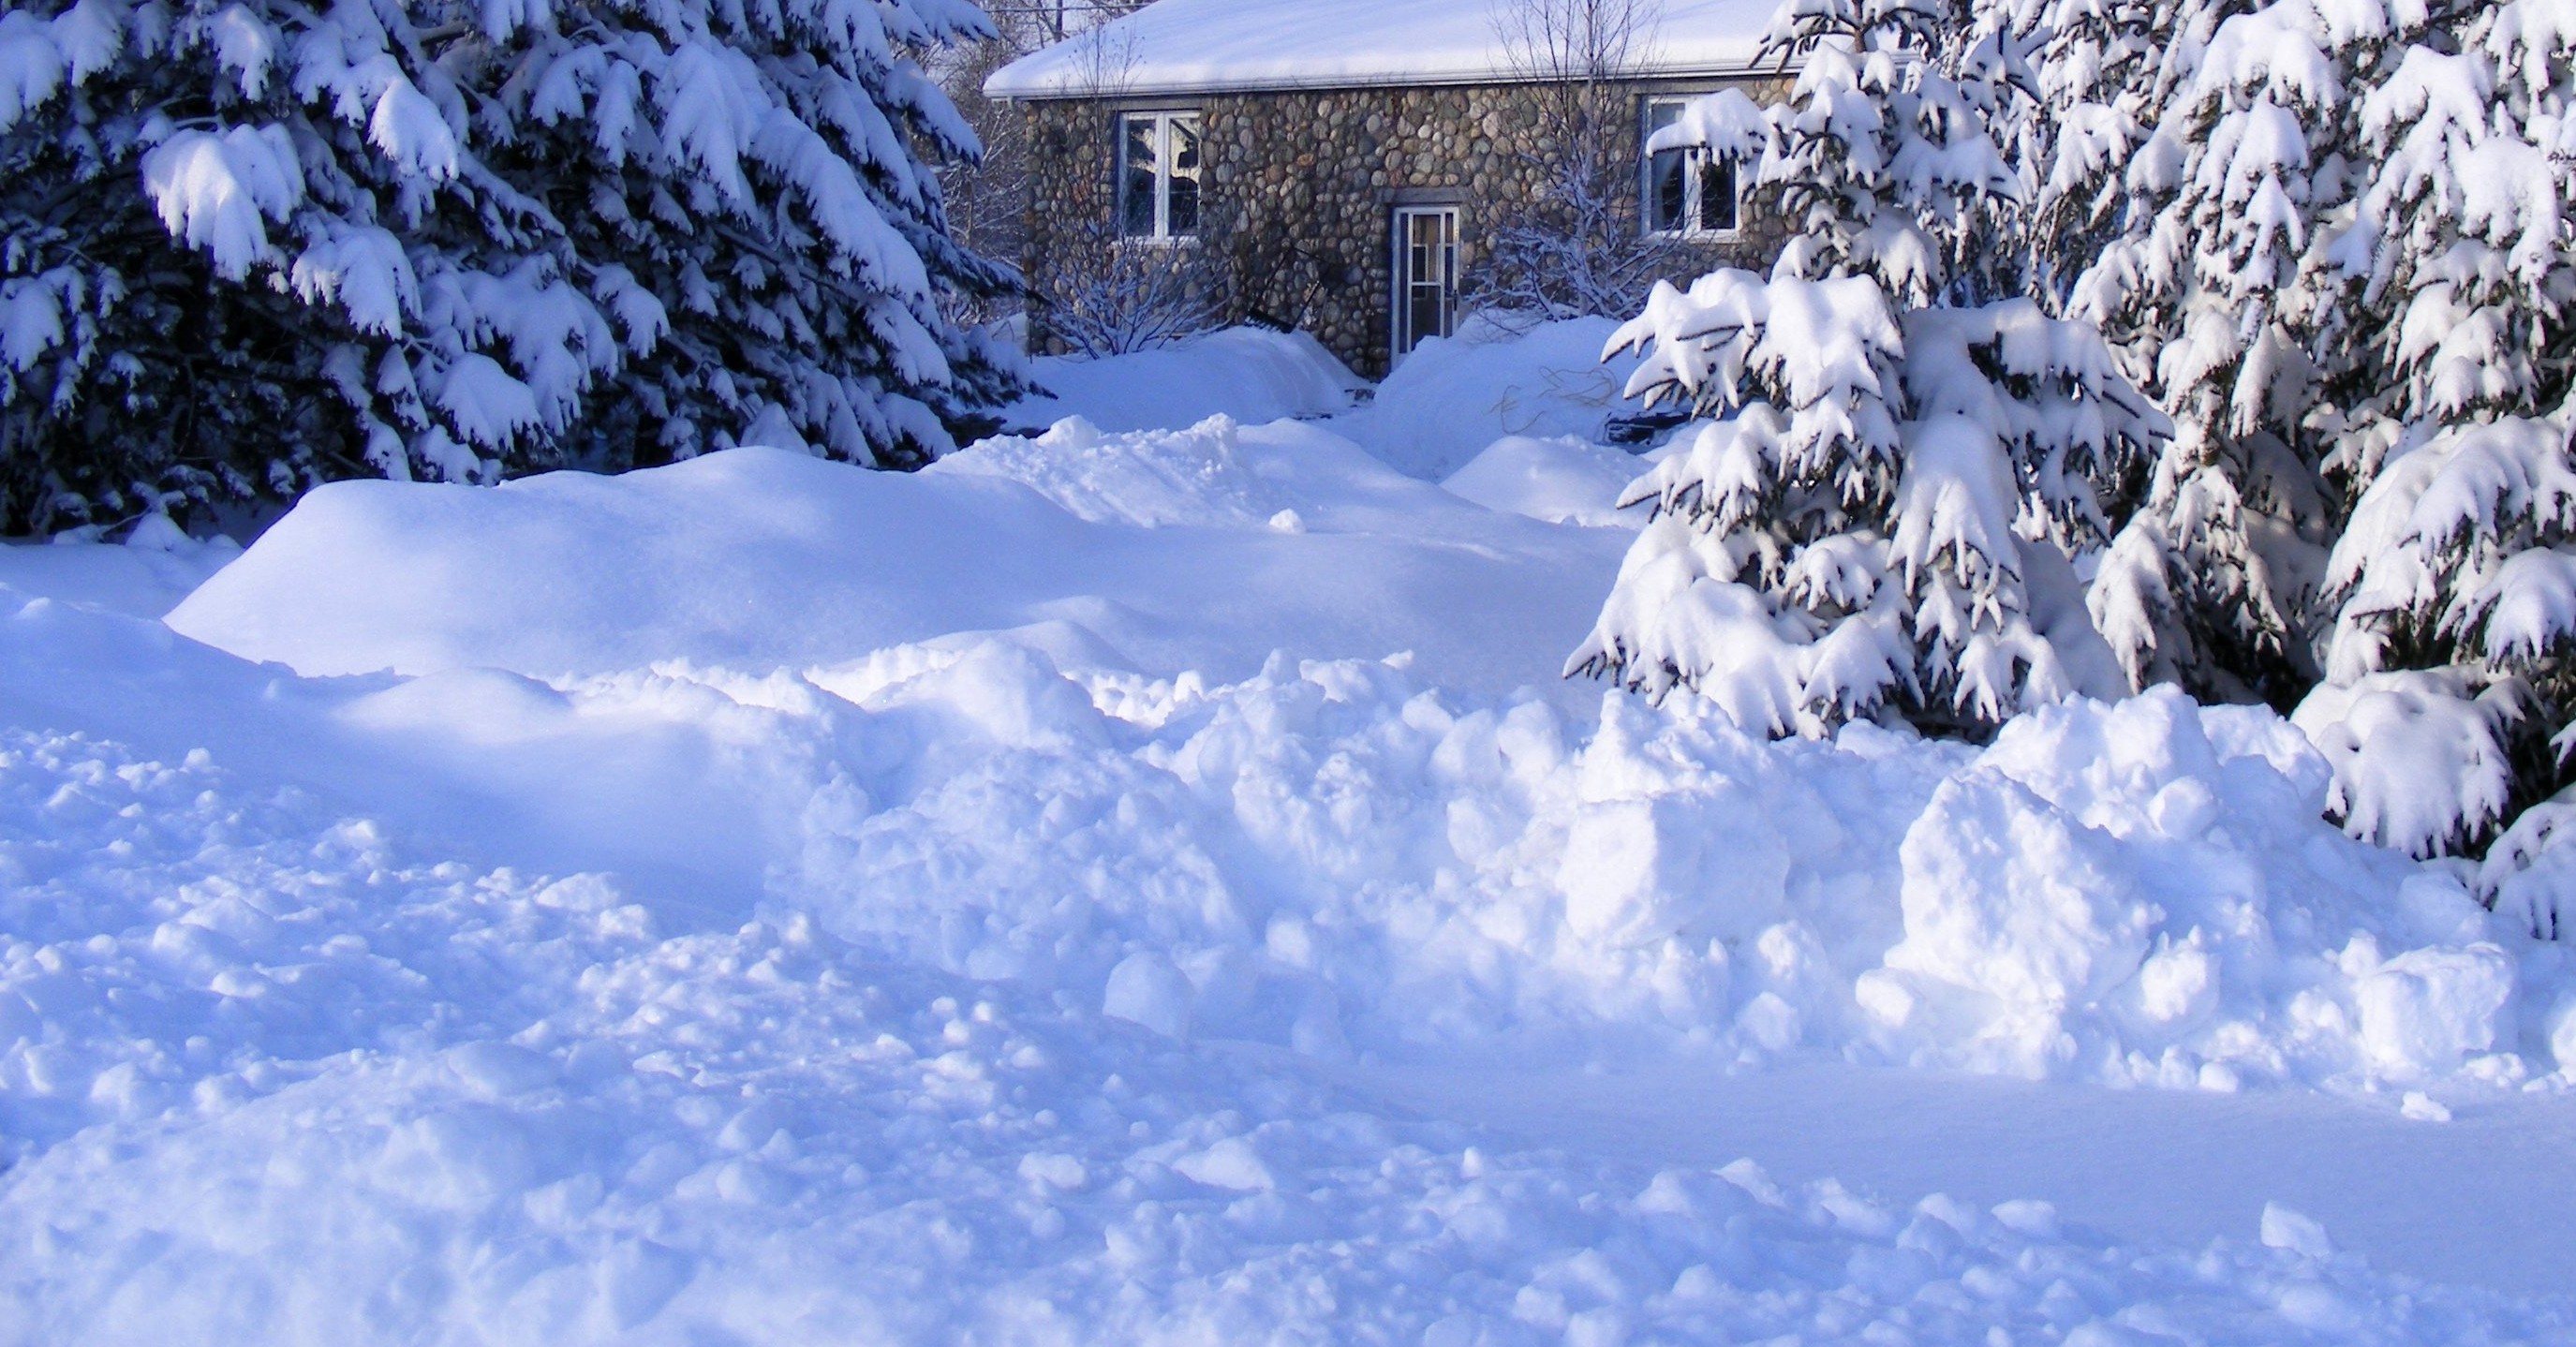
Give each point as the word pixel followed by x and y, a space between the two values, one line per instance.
pixel 2220 292
pixel 254 244
pixel 2455 582
pixel 1901 451
pixel 1871 519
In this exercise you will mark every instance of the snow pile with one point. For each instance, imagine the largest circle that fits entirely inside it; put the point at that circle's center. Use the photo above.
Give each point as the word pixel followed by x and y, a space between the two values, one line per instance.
pixel 2145 892
pixel 152 570
pixel 1562 481
pixel 1453 396
pixel 1250 374
pixel 1194 476
pixel 1347 854
pixel 1330 855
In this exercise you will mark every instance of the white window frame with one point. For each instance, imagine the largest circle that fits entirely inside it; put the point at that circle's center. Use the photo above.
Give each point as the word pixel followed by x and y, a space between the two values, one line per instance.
pixel 1163 118
pixel 1694 162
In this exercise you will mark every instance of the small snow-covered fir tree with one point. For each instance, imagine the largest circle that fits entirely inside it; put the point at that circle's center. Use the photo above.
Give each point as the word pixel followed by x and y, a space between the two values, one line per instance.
pixel 1900 450
pixel 246 246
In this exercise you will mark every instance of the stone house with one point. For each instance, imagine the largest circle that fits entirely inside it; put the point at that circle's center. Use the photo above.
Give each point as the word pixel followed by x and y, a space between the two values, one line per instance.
pixel 1336 165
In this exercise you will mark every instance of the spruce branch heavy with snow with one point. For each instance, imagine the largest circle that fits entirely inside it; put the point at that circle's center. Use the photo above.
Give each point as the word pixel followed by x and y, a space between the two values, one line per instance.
pixel 256 245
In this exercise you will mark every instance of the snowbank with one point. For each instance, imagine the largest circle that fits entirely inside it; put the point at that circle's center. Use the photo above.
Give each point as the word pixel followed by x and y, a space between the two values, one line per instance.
pixel 277 1076
pixel 1331 854
pixel 1454 396
pixel 1250 374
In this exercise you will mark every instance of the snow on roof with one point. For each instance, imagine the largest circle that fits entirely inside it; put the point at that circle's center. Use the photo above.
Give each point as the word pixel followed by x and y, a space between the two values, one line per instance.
pixel 1199 46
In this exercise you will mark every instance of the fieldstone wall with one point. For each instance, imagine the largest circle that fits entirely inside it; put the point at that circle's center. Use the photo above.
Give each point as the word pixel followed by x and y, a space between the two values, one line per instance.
pixel 1299 191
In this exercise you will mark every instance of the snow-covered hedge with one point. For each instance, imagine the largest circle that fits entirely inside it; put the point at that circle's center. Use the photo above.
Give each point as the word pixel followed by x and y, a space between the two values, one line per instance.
pixel 253 245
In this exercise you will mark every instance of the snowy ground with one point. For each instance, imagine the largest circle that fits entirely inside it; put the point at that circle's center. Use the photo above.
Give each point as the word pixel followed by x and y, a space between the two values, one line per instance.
pixel 1153 887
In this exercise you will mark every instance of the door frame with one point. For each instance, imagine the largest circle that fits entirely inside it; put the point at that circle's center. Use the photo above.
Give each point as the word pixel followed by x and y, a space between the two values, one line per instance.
pixel 1401 337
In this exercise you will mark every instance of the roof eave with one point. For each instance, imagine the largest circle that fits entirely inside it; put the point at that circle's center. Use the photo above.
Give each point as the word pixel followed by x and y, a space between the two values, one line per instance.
pixel 1035 91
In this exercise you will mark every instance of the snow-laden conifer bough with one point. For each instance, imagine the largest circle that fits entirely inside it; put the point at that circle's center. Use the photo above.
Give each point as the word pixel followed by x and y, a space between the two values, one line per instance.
pixel 254 245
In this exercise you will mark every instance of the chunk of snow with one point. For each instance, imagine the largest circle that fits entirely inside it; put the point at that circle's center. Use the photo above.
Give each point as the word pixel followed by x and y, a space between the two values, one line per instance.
pixel 1145 988
pixel 2293 1232
pixel 1252 375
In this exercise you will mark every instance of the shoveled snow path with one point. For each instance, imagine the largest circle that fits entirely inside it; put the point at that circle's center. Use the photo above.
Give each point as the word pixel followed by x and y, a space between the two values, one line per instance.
pixel 2486 1199
pixel 351 1097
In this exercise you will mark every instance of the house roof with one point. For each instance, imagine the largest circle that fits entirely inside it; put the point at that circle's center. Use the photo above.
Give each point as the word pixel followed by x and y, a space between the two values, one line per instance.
pixel 1206 46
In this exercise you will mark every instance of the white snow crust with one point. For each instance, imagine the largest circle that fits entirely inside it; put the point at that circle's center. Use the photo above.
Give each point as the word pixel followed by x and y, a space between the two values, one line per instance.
pixel 1453 397
pixel 1200 46
pixel 1250 374
pixel 1562 480
pixel 761 900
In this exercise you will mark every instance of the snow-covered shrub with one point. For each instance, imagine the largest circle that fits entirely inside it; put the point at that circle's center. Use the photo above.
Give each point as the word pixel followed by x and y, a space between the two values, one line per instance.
pixel 2455 570
pixel 1569 246
pixel 252 245
pixel 1873 517
pixel 1109 295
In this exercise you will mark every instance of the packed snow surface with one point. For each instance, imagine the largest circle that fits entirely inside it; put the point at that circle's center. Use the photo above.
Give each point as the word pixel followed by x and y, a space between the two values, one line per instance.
pixel 1247 373
pixel 1452 398
pixel 1563 480
pixel 1040 898
pixel 1196 46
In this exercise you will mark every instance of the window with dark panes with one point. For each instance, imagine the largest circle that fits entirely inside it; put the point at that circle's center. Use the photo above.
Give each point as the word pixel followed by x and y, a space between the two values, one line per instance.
pixel 1158 174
